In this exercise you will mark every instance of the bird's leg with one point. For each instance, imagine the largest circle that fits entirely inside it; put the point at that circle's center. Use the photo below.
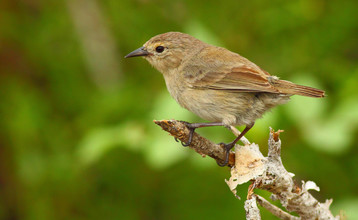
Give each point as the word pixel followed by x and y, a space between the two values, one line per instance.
pixel 193 126
pixel 230 145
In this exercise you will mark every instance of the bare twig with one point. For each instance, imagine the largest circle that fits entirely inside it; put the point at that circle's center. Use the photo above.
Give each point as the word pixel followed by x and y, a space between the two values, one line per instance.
pixel 252 211
pixel 274 209
pixel 267 173
pixel 201 145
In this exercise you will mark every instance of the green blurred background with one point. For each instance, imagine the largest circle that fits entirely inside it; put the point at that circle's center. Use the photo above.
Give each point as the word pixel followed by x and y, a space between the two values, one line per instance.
pixel 77 139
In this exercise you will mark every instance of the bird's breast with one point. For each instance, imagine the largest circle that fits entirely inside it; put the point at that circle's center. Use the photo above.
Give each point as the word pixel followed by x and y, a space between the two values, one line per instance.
pixel 175 87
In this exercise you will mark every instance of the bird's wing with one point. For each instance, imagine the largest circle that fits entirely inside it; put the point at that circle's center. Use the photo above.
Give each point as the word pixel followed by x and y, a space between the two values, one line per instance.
pixel 229 71
pixel 239 79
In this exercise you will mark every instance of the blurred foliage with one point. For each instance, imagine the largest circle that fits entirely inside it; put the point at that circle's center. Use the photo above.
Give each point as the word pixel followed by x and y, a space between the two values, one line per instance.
pixel 76 134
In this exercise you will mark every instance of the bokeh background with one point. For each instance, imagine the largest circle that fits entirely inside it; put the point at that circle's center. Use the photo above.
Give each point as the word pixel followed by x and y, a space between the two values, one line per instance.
pixel 77 139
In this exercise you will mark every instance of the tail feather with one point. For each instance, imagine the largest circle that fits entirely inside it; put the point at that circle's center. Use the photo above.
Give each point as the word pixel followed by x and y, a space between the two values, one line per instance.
pixel 291 88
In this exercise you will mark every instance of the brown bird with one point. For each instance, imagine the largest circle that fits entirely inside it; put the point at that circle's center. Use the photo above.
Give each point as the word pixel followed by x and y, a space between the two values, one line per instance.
pixel 216 84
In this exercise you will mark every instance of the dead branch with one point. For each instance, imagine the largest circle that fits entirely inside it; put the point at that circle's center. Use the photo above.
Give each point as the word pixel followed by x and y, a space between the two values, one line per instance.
pixel 267 173
pixel 252 211
pixel 274 209
pixel 201 145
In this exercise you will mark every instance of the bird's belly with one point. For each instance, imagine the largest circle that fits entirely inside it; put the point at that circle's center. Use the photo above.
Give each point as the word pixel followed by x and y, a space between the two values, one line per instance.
pixel 222 106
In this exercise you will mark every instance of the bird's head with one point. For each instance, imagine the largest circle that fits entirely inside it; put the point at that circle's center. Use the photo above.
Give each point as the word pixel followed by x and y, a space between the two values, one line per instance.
pixel 167 51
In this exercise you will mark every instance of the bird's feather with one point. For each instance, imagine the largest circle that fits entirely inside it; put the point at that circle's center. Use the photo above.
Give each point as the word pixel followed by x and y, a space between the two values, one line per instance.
pixel 241 79
pixel 245 76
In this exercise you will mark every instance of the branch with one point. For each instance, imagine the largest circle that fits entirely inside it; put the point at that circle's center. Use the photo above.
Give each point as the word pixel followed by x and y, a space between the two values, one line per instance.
pixel 267 173
pixel 277 180
pixel 274 209
pixel 201 145
pixel 252 211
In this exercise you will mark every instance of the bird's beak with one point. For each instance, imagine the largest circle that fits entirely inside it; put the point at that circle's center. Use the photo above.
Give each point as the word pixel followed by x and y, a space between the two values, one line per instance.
pixel 138 52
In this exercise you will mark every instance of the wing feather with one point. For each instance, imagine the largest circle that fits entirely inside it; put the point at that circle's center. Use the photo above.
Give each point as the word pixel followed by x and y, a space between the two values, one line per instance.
pixel 220 69
pixel 240 79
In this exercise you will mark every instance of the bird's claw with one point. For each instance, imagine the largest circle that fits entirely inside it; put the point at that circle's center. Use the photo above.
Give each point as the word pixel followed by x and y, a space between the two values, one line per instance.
pixel 185 144
pixel 227 148
pixel 191 129
pixel 191 133
pixel 182 143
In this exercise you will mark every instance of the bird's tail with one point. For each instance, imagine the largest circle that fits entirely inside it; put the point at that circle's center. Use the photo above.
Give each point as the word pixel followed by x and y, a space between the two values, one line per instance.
pixel 291 88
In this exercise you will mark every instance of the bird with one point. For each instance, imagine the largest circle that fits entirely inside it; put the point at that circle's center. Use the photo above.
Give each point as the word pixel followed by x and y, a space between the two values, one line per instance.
pixel 217 85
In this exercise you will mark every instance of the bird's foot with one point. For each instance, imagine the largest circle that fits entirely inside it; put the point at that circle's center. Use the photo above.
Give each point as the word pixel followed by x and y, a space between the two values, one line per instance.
pixel 191 133
pixel 227 148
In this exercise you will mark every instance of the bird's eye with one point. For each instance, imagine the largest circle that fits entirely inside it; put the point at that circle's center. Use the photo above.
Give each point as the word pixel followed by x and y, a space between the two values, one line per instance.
pixel 159 49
